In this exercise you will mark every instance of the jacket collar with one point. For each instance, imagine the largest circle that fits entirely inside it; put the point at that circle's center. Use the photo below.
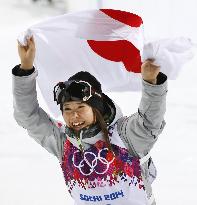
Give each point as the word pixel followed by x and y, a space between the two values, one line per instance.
pixel 86 132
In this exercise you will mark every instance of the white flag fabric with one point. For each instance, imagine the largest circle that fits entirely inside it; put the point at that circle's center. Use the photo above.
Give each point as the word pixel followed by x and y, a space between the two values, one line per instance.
pixel 107 43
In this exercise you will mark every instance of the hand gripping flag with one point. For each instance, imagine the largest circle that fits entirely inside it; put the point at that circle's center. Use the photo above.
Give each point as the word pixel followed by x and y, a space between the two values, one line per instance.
pixel 107 43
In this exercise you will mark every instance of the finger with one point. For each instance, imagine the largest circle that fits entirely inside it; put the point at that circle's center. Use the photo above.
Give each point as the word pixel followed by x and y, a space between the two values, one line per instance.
pixel 151 62
pixel 20 47
pixel 32 39
pixel 28 44
pixel 31 43
pixel 155 65
pixel 28 41
pixel 151 59
pixel 146 64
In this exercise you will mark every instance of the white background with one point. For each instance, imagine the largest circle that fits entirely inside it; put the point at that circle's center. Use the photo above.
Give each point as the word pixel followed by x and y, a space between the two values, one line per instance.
pixel 29 175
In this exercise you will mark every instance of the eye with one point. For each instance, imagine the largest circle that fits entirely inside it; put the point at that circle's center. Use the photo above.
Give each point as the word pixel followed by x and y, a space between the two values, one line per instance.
pixel 67 109
pixel 81 106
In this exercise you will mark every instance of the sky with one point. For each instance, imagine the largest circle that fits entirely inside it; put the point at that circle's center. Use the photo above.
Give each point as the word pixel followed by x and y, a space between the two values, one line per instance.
pixel 30 175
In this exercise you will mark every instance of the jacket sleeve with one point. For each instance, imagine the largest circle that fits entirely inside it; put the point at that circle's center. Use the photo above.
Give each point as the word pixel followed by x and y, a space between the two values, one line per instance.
pixel 141 129
pixel 39 125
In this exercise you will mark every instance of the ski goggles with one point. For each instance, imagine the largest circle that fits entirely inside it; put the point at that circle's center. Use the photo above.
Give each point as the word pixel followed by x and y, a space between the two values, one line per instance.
pixel 73 90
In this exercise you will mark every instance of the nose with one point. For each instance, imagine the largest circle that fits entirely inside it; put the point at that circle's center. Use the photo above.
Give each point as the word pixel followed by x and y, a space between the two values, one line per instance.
pixel 75 114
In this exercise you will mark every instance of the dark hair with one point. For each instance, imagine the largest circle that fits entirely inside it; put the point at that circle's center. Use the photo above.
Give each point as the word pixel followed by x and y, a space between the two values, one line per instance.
pixel 103 126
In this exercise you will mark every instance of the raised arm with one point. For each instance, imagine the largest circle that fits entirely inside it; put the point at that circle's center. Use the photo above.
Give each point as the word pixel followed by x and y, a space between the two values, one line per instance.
pixel 141 129
pixel 27 112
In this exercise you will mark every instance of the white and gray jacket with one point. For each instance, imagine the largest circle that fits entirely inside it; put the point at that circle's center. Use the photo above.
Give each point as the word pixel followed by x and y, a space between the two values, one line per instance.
pixel 139 132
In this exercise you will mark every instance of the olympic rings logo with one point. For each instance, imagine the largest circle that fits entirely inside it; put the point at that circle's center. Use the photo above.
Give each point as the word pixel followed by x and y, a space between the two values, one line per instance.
pixel 93 163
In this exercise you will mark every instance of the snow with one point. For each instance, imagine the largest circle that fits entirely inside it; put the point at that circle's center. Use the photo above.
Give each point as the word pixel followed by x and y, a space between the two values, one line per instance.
pixel 30 175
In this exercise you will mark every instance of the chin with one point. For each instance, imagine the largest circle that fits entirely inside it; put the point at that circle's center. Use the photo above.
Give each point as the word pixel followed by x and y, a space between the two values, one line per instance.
pixel 79 128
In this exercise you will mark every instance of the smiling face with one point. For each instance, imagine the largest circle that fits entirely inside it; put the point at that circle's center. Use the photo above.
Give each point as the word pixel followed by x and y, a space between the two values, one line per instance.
pixel 78 115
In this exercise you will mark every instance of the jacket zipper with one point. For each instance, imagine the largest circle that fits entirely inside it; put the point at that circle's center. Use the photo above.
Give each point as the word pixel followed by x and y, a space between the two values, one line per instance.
pixel 79 140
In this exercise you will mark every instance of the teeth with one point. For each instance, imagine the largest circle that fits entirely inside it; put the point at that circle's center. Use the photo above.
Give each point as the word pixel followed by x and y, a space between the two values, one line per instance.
pixel 77 123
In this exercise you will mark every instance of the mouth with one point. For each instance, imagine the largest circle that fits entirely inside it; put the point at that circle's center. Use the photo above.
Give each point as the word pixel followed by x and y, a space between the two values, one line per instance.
pixel 77 125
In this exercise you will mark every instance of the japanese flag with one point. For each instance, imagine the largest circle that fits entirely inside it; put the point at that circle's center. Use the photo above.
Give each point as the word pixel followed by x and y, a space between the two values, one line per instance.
pixel 107 43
